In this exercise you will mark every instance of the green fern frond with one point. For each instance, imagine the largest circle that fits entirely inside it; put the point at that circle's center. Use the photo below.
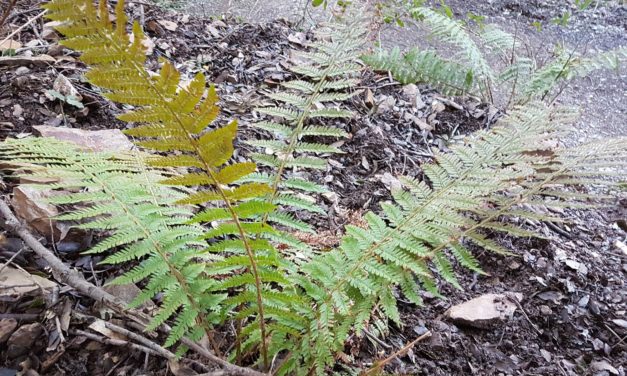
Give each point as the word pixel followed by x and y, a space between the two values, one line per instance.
pixel 430 226
pixel 453 32
pixel 567 66
pixel 135 210
pixel 424 67
pixel 324 77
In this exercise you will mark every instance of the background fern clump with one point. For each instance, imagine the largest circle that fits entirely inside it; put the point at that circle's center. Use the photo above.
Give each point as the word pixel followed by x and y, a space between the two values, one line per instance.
pixel 519 79
pixel 199 226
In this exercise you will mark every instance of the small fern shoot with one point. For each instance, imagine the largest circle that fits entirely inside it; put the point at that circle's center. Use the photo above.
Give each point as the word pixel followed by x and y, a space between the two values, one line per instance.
pixel 326 79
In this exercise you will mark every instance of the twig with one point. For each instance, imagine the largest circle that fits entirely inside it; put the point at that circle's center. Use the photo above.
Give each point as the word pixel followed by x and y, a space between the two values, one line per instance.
pixel 400 352
pixel 65 275
pixel 6 13
pixel 30 21
pixel 557 229
pixel 376 339
pixel 511 297
pixel 114 342
pixel 143 340
pixel 11 259
pixel 60 271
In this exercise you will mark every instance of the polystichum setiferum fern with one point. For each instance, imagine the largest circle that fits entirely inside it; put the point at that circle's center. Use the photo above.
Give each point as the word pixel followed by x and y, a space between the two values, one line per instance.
pixel 327 76
pixel 222 268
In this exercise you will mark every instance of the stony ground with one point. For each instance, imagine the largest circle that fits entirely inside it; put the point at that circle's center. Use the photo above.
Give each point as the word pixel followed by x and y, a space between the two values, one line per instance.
pixel 572 316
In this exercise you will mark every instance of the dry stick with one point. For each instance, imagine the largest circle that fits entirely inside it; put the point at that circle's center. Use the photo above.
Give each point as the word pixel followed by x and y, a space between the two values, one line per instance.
pixel 6 13
pixel 400 352
pixel 11 259
pixel 115 342
pixel 145 342
pixel 65 275
pixel 23 26
pixel 60 271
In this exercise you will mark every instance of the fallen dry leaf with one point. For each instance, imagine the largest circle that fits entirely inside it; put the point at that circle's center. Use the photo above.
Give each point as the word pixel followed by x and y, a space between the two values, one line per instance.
pixel 168 25
pixel 10 45
pixel 16 283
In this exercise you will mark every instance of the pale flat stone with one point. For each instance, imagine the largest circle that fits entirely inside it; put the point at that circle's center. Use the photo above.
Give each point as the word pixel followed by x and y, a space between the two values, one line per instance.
pixel 112 140
pixel 484 311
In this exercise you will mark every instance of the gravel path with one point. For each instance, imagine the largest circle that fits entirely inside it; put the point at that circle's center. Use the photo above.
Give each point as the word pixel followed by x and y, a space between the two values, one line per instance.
pixel 602 97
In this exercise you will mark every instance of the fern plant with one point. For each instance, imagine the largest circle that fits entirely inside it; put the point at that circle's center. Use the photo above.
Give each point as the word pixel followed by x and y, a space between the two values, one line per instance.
pixel 327 77
pixel 173 119
pixel 469 192
pixel 469 71
pixel 119 194
pixel 214 263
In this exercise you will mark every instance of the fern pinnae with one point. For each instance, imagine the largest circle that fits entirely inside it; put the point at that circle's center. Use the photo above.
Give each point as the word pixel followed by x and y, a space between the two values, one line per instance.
pixel 133 212
pixel 330 63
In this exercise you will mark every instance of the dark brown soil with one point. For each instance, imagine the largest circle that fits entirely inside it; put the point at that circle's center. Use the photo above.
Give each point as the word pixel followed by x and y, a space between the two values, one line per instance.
pixel 565 321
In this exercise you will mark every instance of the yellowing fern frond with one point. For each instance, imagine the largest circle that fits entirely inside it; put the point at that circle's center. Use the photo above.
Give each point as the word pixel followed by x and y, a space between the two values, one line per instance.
pixel 174 117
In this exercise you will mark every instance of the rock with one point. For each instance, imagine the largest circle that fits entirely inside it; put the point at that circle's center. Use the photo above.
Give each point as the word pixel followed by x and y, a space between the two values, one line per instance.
pixel 597 344
pixel 15 283
pixel 127 293
pixel 17 110
pixel 10 44
pixel 484 311
pixel 331 197
pixel 112 140
pixel 22 71
pixel 551 296
pixel 603 365
pixel 49 32
pixel 55 50
pixel 386 103
pixel 390 182
pixel 423 125
pixel 63 86
pixel 621 323
pixel 30 206
pixel 23 339
pixel 437 106
pixel 545 310
pixel 168 25
pixel 7 326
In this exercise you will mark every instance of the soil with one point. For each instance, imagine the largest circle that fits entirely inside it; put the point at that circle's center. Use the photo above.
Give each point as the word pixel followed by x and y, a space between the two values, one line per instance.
pixel 573 283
